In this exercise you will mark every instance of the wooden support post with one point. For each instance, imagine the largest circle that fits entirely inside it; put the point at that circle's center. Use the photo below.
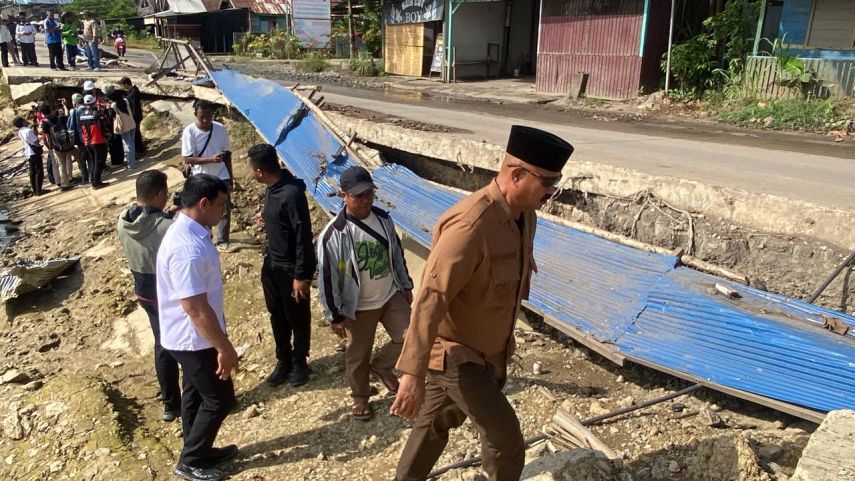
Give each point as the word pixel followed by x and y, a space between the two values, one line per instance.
pixel 350 28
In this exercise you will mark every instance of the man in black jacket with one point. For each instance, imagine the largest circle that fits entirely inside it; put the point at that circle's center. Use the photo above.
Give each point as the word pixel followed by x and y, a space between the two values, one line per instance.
pixel 289 265
pixel 133 96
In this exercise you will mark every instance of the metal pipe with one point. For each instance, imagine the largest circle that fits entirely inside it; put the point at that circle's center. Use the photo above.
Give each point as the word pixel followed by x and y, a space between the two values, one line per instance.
pixel 846 262
pixel 467 463
pixel 644 20
pixel 760 21
pixel 670 44
pixel 844 298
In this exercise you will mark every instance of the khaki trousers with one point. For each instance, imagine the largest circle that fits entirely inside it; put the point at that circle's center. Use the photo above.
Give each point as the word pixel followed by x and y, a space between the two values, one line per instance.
pixel 461 391
pixel 395 317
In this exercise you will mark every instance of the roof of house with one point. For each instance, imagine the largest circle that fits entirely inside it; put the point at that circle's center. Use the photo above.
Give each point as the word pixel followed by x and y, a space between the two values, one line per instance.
pixel 280 7
pixel 42 2
pixel 178 7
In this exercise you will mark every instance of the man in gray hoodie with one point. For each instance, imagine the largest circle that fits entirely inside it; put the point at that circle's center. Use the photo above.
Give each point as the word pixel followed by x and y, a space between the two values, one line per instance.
pixel 141 228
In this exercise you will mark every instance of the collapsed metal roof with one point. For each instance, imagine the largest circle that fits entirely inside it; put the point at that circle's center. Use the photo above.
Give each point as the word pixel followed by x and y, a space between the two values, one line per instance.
pixel 624 302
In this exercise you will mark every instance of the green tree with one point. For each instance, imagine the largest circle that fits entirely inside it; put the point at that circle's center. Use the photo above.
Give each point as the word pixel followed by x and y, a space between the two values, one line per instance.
pixel 104 9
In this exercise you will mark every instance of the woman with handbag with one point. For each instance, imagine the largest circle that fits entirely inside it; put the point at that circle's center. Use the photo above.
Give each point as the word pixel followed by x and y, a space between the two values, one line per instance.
pixel 124 125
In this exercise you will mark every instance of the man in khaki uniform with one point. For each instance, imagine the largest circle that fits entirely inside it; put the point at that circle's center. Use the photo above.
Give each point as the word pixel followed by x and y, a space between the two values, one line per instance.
pixel 461 330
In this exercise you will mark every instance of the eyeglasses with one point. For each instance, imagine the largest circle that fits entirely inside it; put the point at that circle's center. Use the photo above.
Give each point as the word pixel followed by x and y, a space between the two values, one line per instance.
pixel 547 182
pixel 362 195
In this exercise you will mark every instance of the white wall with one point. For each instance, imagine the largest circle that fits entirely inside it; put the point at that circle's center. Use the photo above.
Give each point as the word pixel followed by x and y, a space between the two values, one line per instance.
pixel 475 25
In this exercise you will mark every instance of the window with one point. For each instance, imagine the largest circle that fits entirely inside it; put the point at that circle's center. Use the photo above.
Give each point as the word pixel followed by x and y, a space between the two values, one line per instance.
pixel 832 25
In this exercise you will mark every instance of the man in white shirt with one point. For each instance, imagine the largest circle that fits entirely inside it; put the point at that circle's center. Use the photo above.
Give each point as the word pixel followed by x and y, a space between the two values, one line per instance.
pixel 206 149
pixel 363 282
pixel 5 41
pixel 193 326
pixel 26 34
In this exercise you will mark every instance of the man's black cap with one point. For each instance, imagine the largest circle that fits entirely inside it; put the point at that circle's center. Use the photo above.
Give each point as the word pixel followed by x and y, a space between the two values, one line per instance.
pixel 355 181
pixel 539 148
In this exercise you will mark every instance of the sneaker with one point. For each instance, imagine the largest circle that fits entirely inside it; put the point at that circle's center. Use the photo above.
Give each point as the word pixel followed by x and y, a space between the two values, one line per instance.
pixel 225 247
pixel 197 474
pixel 299 376
pixel 97 69
pixel 279 374
pixel 223 454
pixel 169 416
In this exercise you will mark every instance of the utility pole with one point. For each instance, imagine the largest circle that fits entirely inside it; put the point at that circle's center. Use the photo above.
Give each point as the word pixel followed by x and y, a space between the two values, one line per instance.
pixel 350 27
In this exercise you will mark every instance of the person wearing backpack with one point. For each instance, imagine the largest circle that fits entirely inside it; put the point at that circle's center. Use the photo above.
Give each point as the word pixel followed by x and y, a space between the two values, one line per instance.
pixel 73 125
pixel 33 151
pixel 61 142
pixel 124 125
pixel 92 126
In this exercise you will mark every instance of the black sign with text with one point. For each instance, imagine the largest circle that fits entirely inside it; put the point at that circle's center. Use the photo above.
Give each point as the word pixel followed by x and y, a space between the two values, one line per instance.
pixel 412 11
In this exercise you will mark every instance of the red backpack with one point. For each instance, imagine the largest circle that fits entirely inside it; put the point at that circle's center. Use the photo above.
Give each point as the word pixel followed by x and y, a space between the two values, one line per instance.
pixel 92 126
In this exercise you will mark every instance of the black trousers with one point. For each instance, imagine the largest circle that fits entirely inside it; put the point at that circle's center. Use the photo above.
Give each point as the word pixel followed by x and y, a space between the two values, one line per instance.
pixel 117 151
pixel 71 55
pixel 4 54
pixel 83 163
pixel 205 403
pixel 37 173
pixel 138 141
pixel 287 316
pixel 28 54
pixel 97 160
pixel 165 365
pixel 55 54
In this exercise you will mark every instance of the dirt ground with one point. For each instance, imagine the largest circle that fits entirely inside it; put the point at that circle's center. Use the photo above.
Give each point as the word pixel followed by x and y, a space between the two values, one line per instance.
pixel 84 405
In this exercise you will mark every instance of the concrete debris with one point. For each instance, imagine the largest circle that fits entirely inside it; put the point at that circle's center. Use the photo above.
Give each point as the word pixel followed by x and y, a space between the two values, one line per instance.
pixel 828 454
pixel 710 418
pixel 14 376
pixel 573 465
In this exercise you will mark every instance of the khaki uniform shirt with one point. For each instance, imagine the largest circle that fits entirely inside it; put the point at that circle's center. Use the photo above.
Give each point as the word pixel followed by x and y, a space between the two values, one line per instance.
pixel 90 30
pixel 478 271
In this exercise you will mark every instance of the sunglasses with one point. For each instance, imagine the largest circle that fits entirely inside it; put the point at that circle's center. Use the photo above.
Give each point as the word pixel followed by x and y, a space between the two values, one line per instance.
pixel 362 195
pixel 547 182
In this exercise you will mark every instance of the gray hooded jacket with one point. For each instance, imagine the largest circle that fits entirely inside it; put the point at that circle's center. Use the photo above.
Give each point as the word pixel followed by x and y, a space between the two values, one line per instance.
pixel 141 229
pixel 338 280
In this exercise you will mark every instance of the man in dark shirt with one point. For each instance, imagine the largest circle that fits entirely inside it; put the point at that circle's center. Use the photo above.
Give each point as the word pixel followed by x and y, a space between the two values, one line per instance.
pixel 288 266
pixel 136 111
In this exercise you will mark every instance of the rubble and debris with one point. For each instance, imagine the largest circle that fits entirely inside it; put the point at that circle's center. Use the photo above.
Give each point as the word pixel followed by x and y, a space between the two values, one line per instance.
pixel 828 454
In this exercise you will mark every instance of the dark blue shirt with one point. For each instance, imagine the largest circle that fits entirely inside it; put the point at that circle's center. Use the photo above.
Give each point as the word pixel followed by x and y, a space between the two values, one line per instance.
pixel 56 35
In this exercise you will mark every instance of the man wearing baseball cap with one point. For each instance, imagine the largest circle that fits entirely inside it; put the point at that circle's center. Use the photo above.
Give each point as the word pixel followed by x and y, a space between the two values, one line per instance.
pixel 461 334
pixel 73 124
pixel 363 282
pixel 93 127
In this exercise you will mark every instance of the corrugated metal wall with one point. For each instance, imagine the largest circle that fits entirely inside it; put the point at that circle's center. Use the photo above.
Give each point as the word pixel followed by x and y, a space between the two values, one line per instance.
pixel 600 37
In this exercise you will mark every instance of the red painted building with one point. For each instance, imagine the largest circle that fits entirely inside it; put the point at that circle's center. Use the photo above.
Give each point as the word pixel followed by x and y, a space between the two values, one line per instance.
pixel 618 43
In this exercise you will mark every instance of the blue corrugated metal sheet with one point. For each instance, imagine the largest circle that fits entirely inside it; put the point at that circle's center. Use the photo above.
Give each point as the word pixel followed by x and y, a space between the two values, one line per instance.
pixel 650 310
pixel 760 343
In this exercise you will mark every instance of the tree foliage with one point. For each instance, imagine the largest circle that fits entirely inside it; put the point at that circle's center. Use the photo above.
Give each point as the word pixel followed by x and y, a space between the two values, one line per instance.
pixel 105 9
pixel 724 43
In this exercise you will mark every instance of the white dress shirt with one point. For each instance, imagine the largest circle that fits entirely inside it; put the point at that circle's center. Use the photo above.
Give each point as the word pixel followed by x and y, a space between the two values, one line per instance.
pixel 188 264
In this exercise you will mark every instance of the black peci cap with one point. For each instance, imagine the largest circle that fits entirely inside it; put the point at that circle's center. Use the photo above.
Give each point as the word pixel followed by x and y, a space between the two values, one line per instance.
pixel 355 181
pixel 539 148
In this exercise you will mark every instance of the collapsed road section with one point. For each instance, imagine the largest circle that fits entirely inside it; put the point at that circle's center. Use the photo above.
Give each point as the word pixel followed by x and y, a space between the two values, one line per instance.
pixel 628 304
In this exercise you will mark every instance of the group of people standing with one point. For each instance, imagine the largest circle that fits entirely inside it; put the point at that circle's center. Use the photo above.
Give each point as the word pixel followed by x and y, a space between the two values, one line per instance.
pixel 87 130
pixel 64 35
pixel 451 341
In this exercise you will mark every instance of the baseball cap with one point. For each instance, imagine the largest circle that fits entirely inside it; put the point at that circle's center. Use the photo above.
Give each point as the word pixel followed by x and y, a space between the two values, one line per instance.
pixel 76 99
pixel 88 85
pixel 89 100
pixel 355 181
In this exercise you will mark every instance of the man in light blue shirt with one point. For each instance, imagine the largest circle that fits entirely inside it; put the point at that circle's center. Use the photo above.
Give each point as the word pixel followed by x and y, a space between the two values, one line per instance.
pixel 193 326
pixel 53 40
